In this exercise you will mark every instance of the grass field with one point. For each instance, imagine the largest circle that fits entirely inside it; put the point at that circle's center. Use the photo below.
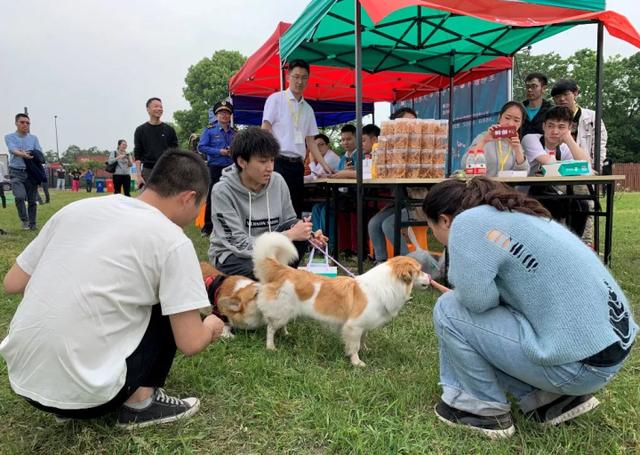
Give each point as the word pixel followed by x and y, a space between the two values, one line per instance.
pixel 307 399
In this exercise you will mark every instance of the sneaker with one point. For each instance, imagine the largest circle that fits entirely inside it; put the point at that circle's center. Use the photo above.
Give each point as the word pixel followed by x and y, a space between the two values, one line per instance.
pixel 563 408
pixel 494 427
pixel 162 409
pixel 25 226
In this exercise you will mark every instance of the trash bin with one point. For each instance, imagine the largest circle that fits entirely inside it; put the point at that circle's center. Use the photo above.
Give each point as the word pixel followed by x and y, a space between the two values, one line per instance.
pixel 109 185
pixel 99 186
pixel 133 186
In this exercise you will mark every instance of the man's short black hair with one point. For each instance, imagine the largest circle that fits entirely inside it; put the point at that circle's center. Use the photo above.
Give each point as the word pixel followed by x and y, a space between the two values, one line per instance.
pixel 19 115
pixel 371 130
pixel 324 138
pixel 400 113
pixel 559 114
pixel 564 85
pixel 298 63
pixel 150 100
pixel 541 77
pixel 177 171
pixel 348 128
pixel 253 141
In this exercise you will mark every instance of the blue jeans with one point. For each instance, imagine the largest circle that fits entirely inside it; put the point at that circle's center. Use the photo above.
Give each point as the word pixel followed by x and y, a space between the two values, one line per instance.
pixel 381 227
pixel 481 359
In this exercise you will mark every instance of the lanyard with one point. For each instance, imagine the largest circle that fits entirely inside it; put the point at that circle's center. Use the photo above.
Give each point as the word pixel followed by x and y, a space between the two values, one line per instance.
pixel 502 160
pixel 295 113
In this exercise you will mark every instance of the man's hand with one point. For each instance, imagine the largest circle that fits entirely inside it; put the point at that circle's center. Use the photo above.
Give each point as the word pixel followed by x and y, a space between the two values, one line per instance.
pixel 300 231
pixel 23 154
pixel 215 324
pixel 224 152
pixel 140 181
pixel 319 239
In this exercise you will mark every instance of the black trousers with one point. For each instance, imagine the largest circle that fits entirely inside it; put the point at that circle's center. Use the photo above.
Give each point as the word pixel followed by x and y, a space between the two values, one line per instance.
pixel 122 182
pixel 147 366
pixel 292 170
pixel 215 172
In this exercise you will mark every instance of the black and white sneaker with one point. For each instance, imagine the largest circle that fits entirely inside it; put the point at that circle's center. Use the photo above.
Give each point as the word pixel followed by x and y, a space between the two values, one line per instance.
pixel 494 427
pixel 563 408
pixel 162 409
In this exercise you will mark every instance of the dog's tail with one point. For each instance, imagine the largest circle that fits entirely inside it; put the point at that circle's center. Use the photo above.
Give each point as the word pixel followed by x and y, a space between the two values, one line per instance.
pixel 269 247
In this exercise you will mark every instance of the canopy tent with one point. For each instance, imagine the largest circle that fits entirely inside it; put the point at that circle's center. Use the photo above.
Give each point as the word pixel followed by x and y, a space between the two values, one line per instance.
pixel 437 36
pixel 260 76
pixel 442 36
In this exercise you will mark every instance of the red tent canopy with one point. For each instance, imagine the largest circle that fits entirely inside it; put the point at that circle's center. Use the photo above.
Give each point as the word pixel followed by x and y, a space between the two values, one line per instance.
pixel 260 76
pixel 509 12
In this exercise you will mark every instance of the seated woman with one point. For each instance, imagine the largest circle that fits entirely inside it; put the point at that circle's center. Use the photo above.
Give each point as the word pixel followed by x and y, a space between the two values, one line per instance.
pixel 533 312
pixel 502 154
pixel 557 144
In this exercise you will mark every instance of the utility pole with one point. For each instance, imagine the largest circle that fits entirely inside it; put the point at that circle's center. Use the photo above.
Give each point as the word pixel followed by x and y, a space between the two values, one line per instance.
pixel 55 123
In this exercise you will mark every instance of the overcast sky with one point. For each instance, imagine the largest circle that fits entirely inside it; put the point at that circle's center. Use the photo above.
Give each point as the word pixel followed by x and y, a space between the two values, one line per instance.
pixel 94 63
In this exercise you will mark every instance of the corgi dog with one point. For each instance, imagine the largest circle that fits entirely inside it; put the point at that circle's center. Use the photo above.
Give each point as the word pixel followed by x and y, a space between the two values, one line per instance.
pixel 235 298
pixel 353 305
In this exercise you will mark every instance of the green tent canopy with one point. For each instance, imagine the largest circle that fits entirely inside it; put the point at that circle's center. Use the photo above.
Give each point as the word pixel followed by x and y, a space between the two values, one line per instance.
pixel 433 37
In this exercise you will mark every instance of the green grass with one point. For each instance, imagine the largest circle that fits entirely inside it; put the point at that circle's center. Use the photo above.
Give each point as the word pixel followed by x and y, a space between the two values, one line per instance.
pixel 306 398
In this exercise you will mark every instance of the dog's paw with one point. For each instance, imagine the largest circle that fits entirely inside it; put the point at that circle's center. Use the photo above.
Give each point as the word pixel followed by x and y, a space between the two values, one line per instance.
pixel 285 331
pixel 356 362
pixel 271 347
pixel 227 334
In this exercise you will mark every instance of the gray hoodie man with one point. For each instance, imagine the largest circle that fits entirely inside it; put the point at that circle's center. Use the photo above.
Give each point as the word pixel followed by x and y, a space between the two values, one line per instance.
pixel 240 215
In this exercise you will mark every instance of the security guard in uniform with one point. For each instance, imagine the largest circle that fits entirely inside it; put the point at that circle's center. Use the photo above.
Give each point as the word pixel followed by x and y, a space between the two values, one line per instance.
pixel 215 142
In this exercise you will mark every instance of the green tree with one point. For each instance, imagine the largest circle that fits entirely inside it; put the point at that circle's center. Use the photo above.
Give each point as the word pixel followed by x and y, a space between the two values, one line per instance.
pixel 206 84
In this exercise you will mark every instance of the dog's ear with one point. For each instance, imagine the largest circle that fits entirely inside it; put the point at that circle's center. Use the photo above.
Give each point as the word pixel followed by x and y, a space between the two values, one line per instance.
pixel 406 269
pixel 229 304
pixel 247 293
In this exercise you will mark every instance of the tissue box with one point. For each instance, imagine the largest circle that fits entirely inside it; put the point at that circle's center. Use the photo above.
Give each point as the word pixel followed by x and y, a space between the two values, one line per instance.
pixel 566 168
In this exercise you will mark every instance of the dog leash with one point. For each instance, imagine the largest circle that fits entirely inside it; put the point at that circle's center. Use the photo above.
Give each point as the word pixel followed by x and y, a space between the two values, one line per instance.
pixel 328 256
pixel 324 251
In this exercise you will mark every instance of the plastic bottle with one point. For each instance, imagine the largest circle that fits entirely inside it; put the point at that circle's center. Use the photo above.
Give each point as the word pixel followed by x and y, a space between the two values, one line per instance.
pixel 480 163
pixel 470 167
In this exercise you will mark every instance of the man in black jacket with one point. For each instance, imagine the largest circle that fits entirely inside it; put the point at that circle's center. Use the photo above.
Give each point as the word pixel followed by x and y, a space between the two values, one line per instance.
pixel 151 140
pixel 536 105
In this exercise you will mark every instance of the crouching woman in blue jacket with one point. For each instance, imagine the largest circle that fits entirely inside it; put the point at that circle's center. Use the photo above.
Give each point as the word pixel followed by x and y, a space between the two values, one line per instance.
pixel 533 312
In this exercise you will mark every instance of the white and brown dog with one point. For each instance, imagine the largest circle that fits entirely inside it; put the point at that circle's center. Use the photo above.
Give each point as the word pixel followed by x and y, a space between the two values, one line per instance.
pixel 353 305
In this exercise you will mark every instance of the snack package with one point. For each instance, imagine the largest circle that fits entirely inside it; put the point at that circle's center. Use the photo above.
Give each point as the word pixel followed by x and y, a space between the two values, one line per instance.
pixel 504 132
pixel 387 128
pixel 412 171
pixel 413 156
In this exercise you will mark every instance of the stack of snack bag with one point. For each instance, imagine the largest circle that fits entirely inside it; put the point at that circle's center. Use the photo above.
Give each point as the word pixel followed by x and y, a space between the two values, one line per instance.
pixel 411 148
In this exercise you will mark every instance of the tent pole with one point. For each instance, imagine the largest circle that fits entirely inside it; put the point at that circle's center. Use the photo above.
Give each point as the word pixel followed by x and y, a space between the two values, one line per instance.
pixel 282 73
pixel 360 155
pixel 450 134
pixel 599 81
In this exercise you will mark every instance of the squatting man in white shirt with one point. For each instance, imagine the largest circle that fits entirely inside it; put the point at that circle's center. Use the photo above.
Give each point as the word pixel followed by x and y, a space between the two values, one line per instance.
pixel 101 317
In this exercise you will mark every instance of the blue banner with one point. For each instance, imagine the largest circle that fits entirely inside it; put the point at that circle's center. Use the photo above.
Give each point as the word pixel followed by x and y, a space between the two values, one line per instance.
pixel 476 107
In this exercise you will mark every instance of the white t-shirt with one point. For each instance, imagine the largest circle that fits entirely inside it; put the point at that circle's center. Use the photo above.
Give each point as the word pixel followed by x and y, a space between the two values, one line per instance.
pixel 332 160
pixel 533 148
pixel 288 116
pixel 96 268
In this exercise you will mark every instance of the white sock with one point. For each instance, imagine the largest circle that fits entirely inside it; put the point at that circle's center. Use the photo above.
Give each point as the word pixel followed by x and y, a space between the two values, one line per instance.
pixel 140 404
